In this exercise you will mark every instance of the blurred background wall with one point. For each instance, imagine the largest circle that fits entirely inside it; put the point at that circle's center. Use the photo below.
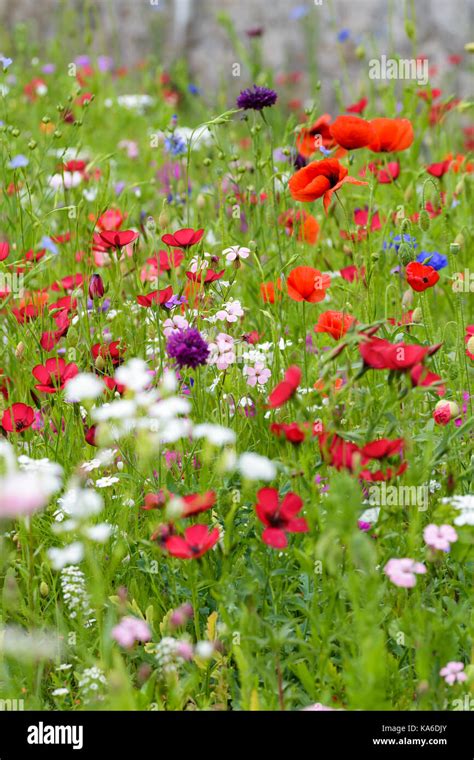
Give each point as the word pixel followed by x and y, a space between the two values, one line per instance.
pixel 290 31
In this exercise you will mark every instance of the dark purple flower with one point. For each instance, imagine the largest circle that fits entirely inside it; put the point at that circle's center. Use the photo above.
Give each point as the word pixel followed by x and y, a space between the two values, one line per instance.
pixel 188 348
pixel 256 99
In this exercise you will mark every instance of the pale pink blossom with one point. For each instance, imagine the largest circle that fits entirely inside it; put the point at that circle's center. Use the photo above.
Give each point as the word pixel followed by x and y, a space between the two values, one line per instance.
pixel 130 630
pixel 453 672
pixel 235 253
pixel 440 537
pixel 257 374
pixel 403 572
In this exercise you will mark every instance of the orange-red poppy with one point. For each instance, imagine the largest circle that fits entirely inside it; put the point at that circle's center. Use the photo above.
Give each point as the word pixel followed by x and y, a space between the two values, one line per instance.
pixel 307 284
pixel 303 223
pixel 351 132
pixel 391 135
pixel 320 178
pixel 335 323
pixel 306 143
pixel 268 291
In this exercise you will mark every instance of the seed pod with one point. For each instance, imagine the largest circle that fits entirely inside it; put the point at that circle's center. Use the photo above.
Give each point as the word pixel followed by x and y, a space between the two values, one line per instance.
pixel 417 315
pixel 44 589
pixel 99 363
pixel 454 248
pixel 20 350
pixel 407 299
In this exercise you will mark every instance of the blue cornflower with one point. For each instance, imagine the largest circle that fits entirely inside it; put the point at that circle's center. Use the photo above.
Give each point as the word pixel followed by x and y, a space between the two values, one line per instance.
pixel 175 145
pixel 48 245
pixel 299 12
pixel 435 259
pixel 193 89
pixel 343 35
pixel 397 241
pixel 18 162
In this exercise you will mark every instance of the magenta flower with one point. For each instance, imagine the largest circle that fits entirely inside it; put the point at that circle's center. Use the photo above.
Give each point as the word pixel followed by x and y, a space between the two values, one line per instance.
pixel 403 572
pixel 130 630
pixel 440 537
pixel 453 672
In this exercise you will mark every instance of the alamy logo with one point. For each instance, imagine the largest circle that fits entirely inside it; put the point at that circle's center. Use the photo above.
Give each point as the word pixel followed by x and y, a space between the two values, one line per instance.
pixel 399 68
pixel 11 705
pixel 381 494
pixel 42 734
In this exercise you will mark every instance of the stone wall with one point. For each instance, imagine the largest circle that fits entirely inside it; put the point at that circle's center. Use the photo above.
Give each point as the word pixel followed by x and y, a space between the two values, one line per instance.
pixel 129 29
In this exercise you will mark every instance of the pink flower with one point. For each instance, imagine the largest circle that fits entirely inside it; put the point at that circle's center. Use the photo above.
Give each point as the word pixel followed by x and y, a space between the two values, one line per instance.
pixel 257 374
pixel 452 672
pixel 319 707
pixel 403 572
pixel 440 537
pixel 185 650
pixel 129 630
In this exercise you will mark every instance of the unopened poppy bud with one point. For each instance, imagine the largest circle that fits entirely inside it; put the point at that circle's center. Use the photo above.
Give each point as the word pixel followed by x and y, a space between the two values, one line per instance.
pixel 207 161
pixel 32 144
pixel 99 363
pixel 57 134
pixel 454 248
pixel 405 254
pixel 375 256
pixel 407 299
pixel 470 345
pixel 417 315
pixel 44 588
pixel 96 287
pixel 20 350
pixel 424 220
pixel 445 411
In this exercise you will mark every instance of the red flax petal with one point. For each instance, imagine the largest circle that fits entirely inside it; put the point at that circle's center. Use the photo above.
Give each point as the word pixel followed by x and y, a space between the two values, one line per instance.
pixel 275 537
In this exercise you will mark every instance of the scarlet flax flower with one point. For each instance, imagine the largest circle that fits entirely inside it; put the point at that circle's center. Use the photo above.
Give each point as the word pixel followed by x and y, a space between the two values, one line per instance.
pixel 286 389
pixel 279 517
pixel 17 418
pixel 184 238
pixel 53 375
pixel 197 540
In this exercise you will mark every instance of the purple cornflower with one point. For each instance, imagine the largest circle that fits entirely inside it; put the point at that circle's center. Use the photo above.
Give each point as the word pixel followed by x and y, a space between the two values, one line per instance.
pixel 188 348
pixel 175 301
pixel 256 99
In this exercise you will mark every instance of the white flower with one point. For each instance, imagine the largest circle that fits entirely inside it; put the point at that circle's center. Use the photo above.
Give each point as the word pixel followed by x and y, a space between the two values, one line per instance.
pixel 117 410
pixel 99 533
pixel 465 504
pixel 81 502
pixel 255 467
pixel 215 434
pixel 135 375
pixel 236 252
pixel 106 482
pixel 70 555
pixel 169 382
pixel 59 692
pixel 204 650
pixel 83 386
pixel 66 179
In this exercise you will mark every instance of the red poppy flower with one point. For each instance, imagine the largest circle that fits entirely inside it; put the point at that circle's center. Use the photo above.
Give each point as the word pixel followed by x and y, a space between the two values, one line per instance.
pixel 358 107
pixel 112 385
pixel 117 239
pixel 352 132
pixel 439 169
pixel 352 273
pixel 68 283
pixel 184 238
pixel 420 277
pixel 391 135
pixel 210 276
pixel 380 475
pixel 53 375
pixel 320 178
pixel 340 453
pixel 361 218
pixel 198 539
pixel 268 291
pixel 279 517
pixel 378 353
pixel 305 142
pixel 195 503
pixel 293 432
pixel 383 448
pixel 307 284
pixel 286 389
pixel 17 418
pixel 163 261
pixel 335 323
pixel 420 376
pixel 4 251
pixel 109 351
pixel 303 223
pixel 158 297
pixel 89 435
pixel 112 219
pixel 49 339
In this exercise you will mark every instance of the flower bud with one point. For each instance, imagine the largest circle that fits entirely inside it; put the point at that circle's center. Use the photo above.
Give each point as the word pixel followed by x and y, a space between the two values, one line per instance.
pixel 417 315
pixel 424 220
pixel 20 350
pixel 96 287
pixel 445 411
pixel 99 363
pixel 44 588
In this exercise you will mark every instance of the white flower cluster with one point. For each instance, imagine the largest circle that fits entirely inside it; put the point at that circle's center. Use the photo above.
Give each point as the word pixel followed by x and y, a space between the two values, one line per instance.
pixel 166 655
pixel 465 505
pixel 91 684
pixel 76 598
